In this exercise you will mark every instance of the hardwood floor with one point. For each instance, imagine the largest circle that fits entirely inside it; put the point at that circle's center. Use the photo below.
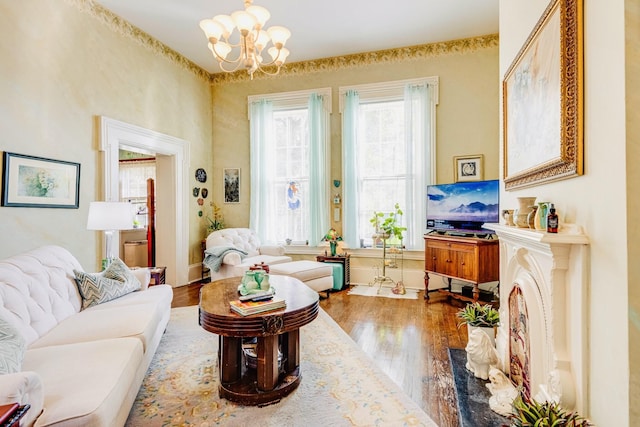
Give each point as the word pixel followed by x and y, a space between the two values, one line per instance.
pixel 407 339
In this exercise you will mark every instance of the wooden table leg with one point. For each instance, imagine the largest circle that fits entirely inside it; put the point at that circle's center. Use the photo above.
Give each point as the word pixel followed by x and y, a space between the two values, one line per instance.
pixel 426 286
pixel 267 363
pixel 230 359
pixel 291 350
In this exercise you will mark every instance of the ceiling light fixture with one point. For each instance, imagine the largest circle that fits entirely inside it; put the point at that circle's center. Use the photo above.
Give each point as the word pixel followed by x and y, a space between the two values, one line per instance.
pixel 252 39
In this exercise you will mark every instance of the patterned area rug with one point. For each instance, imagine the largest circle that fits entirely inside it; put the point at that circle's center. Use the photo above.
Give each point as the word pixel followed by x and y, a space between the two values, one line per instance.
pixel 377 291
pixel 340 385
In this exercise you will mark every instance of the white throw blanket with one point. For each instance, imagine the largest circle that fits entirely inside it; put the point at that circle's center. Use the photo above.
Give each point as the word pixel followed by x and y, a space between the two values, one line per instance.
pixel 214 256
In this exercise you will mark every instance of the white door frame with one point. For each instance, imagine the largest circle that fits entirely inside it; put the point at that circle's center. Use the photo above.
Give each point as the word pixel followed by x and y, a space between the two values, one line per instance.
pixel 114 135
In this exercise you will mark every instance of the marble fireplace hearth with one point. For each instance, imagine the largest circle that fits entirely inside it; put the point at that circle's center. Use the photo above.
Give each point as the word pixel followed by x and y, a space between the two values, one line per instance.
pixel 472 395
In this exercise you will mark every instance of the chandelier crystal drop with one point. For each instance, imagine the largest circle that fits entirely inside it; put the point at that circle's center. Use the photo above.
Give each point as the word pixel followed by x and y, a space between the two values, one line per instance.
pixel 251 39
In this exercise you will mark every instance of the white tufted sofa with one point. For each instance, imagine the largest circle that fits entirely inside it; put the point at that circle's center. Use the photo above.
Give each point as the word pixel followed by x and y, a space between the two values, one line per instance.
pixel 80 367
pixel 234 264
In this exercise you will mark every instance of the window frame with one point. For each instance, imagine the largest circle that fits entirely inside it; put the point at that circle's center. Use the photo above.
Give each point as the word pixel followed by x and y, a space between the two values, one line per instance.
pixel 392 91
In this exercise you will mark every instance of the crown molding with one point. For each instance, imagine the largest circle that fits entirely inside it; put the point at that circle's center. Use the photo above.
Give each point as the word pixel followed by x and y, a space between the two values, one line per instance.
pixel 404 54
pixel 124 28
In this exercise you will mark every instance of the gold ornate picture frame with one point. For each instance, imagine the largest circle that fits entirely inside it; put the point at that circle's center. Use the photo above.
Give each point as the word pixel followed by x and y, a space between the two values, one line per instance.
pixel 543 101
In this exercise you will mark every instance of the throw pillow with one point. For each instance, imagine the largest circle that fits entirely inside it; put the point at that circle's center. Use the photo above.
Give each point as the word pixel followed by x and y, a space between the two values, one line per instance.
pixel 12 348
pixel 116 281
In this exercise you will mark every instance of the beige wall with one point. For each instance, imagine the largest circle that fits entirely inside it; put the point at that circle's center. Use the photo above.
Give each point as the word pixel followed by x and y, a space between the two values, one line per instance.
pixel 467 116
pixel 62 67
pixel 598 200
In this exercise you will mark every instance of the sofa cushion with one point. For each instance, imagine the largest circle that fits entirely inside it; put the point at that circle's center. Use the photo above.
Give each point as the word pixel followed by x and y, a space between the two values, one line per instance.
pixel 304 270
pixel 12 348
pixel 86 383
pixel 108 321
pixel 117 280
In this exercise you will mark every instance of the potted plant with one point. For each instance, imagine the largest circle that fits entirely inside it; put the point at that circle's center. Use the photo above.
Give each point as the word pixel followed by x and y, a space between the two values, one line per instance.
pixel 544 414
pixel 333 238
pixel 217 223
pixel 476 315
pixel 388 226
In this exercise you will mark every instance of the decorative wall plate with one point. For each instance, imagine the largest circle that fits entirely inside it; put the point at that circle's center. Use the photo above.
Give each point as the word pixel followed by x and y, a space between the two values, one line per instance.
pixel 196 191
pixel 204 193
pixel 201 175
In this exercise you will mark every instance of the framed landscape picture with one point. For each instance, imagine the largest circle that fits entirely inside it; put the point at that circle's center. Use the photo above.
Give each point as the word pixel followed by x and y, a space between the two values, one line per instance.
pixel 37 182
pixel 231 179
pixel 543 101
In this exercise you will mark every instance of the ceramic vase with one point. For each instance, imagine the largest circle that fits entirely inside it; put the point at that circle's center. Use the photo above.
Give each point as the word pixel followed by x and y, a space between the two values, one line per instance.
pixel 507 214
pixel 540 222
pixel 489 330
pixel 524 208
pixel 265 285
pixel 249 281
pixel 333 246
pixel 531 218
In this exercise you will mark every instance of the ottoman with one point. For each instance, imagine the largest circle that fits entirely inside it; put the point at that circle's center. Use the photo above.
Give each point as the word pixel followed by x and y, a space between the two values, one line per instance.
pixel 317 275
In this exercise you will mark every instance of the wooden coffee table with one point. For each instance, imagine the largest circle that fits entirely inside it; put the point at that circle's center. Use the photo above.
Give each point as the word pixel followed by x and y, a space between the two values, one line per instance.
pixel 275 330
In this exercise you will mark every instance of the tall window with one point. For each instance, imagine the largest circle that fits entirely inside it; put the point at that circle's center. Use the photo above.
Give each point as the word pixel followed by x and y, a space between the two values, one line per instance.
pixel 289 165
pixel 388 149
pixel 291 174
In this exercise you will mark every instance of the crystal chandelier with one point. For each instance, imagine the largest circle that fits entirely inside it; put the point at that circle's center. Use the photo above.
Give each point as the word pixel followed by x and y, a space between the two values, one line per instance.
pixel 251 40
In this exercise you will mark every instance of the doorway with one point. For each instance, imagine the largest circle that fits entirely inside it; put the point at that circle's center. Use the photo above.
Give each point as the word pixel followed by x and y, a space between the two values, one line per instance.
pixel 172 162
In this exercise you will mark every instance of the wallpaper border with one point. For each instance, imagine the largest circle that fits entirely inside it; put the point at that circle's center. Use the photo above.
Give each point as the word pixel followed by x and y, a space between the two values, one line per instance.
pixel 410 53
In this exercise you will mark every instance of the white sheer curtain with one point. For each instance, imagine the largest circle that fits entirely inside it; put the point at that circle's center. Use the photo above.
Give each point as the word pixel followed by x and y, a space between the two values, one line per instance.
pixel 349 169
pixel 318 168
pixel 133 176
pixel 261 135
pixel 418 146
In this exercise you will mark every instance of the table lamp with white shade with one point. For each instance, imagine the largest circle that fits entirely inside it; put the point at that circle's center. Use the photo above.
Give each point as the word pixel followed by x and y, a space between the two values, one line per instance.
pixel 109 217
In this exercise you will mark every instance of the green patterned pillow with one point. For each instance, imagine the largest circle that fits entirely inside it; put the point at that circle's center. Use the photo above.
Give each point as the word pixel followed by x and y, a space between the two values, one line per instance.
pixel 117 280
pixel 12 348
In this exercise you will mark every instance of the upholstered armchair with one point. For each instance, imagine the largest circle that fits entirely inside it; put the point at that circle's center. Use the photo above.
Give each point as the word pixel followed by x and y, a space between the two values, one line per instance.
pixel 231 251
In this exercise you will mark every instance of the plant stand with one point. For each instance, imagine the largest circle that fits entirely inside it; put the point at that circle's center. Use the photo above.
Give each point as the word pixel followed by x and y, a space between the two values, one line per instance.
pixel 382 279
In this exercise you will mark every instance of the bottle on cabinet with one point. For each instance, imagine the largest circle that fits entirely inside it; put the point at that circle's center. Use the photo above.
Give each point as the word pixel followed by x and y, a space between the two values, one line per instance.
pixel 552 220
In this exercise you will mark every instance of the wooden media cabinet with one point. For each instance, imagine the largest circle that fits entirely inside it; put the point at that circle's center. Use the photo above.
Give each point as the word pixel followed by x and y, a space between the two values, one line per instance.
pixel 470 259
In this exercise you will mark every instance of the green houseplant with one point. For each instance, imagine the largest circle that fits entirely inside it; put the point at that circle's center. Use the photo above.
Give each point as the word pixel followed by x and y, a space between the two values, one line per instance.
pixel 479 315
pixel 389 224
pixel 217 223
pixel 529 413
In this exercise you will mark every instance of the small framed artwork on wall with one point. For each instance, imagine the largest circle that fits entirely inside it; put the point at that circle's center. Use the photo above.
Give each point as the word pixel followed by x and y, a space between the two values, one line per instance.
pixel 468 168
pixel 231 179
pixel 36 182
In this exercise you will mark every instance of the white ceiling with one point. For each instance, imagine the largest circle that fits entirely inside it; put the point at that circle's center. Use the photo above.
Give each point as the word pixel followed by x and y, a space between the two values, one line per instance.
pixel 319 29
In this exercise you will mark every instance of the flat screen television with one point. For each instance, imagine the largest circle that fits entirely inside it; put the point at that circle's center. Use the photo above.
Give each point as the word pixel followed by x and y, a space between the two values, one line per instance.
pixel 463 207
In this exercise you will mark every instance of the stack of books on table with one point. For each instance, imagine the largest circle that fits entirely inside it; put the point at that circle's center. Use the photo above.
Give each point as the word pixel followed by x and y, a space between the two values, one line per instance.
pixel 11 413
pixel 246 308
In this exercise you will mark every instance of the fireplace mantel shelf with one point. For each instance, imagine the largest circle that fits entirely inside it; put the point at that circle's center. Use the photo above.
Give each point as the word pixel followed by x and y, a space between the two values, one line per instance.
pixel 568 234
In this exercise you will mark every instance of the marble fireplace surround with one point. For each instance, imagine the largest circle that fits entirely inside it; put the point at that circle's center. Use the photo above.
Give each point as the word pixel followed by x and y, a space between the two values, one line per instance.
pixel 551 271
